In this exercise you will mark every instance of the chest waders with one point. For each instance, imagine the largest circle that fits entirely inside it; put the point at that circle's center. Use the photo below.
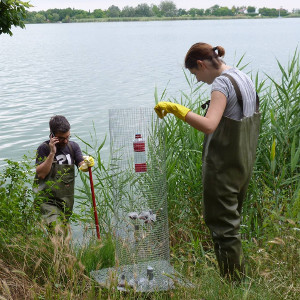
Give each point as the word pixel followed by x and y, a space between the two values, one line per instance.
pixel 227 162
pixel 56 193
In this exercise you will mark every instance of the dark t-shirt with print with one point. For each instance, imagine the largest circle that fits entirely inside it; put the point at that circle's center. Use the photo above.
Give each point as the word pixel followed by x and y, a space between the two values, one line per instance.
pixel 63 155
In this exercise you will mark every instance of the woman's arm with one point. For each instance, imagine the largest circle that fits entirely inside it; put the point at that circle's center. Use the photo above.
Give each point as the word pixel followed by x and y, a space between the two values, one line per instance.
pixel 210 122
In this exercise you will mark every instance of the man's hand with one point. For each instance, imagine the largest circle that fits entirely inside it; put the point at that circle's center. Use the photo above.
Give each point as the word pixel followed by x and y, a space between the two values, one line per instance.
pixel 87 162
pixel 162 108
pixel 52 144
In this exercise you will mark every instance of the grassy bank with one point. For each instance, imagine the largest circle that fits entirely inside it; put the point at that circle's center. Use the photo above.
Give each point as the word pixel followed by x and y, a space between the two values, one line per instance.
pixel 34 265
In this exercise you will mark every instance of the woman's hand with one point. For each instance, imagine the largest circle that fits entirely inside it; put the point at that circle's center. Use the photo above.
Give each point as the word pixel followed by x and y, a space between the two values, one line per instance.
pixel 162 108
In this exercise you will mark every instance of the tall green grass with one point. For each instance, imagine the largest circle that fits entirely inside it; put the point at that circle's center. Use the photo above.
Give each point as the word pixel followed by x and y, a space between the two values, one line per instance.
pixel 102 185
pixel 274 192
pixel 34 265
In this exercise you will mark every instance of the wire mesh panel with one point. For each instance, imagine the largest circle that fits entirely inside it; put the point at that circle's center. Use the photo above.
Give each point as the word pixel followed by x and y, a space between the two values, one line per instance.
pixel 139 184
pixel 138 166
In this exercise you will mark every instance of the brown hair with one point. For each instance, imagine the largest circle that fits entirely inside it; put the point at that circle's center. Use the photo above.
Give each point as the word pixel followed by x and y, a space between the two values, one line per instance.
pixel 202 51
pixel 59 124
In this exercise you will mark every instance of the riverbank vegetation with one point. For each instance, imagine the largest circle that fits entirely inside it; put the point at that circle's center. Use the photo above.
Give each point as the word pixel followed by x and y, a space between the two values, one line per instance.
pixel 166 10
pixel 34 265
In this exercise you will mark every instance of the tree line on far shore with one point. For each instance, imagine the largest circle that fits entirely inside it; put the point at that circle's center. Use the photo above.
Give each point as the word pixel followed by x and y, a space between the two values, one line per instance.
pixel 164 9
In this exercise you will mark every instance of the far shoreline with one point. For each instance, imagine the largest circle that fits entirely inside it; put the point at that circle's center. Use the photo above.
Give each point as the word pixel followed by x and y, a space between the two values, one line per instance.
pixel 151 19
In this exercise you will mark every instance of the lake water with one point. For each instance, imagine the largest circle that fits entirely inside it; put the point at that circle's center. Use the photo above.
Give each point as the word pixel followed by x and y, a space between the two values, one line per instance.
pixel 82 70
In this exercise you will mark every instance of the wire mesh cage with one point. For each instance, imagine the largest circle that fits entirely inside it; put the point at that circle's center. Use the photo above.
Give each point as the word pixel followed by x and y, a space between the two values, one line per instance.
pixel 139 184
pixel 138 167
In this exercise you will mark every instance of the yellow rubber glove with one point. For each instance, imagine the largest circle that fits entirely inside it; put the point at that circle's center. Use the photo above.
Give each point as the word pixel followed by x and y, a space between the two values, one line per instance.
pixel 162 108
pixel 88 162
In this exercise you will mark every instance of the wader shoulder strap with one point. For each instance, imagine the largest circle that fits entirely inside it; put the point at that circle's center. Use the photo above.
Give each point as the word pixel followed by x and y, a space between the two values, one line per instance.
pixel 237 91
pixel 71 150
pixel 239 94
pixel 257 103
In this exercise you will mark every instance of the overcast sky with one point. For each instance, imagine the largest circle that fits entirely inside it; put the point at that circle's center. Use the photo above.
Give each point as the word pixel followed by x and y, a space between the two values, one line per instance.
pixel 186 4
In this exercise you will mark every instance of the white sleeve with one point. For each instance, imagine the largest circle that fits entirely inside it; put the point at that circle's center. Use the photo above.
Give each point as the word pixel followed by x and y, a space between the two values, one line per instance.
pixel 222 84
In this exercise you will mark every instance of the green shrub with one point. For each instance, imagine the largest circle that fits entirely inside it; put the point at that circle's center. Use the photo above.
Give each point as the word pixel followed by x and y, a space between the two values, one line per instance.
pixel 17 212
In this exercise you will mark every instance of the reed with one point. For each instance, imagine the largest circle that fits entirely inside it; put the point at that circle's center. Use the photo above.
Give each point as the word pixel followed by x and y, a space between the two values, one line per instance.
pixel 103 188
pixel 274 190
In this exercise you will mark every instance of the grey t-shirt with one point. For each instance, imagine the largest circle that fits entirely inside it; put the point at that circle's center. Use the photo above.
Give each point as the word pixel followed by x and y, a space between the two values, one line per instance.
pixel 247 88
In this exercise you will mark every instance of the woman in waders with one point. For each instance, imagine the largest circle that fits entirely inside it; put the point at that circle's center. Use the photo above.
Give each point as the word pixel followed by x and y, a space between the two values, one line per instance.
pixel 231 127
pixel 55 172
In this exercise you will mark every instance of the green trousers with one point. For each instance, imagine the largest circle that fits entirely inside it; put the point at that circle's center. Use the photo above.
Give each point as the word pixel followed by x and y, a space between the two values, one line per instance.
pixel 228 159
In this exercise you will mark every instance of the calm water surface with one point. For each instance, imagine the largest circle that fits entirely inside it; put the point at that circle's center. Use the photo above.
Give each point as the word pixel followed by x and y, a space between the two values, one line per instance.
pixel 82 70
